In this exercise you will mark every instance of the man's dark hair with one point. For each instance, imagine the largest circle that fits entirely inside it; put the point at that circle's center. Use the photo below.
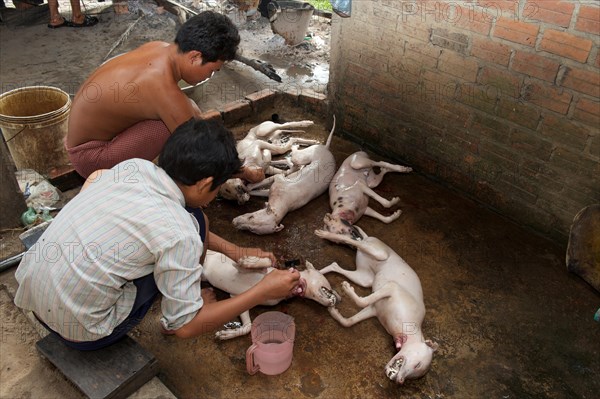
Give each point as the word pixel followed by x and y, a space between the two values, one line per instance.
pixel 198 149
pixel 211 33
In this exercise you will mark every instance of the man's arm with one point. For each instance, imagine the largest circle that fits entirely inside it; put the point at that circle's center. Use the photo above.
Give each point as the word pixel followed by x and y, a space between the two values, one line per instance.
pixel 174 107
pixel 219 244
pixel 275 285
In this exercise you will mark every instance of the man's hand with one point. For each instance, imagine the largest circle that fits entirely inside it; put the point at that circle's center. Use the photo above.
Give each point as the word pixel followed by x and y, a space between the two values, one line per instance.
pixel 252 174
pixel 279 284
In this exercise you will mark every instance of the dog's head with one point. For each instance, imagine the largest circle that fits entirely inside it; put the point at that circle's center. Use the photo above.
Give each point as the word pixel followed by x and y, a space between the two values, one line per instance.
pixel 412 361
pixel 263 221
pixel 317 287
pixel 234 190
pixel 338 225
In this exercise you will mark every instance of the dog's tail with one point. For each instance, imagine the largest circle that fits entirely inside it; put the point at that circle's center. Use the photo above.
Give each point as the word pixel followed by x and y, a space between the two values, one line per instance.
pixel 330 134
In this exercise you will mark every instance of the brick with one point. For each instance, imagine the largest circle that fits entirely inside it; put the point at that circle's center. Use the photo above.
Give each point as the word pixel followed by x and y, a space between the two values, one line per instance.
pixel 385 14
pixel 595 148
pixel 262 99
pixel 535 65
pixel 458 66
pixel 518 112
pixel 504 82
pixel 384 85
pixel 367 97
pixel 573 161
pixel 477 96
pixel 587 82
pixel 531 143
pixel 491 128
pixel 538 169
pixel 356 72
pixel 588 19
pixel 487 50
pixel 551 11
pixel 212 114
pixel 518 189
pixel 565 132
pixel 413 28
pixel 566 45
pixel 235 111
pixel 454 41
pixel 477 22
pixel 500 156
pixel 516 31
pixel 498 8
pixel 587 111
pixel 549 97
pixel 406 69
pixel 437 86
pixel 426 53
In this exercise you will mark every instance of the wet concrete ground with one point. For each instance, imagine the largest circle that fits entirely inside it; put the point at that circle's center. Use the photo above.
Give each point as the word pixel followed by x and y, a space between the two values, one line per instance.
pixel 509 319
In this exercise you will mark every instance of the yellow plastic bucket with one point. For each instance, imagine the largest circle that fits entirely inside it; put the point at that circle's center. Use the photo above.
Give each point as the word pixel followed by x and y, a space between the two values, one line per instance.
pixel 34 123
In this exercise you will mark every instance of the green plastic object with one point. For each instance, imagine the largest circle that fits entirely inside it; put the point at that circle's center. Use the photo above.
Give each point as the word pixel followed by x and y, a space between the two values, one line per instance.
pixel 29 216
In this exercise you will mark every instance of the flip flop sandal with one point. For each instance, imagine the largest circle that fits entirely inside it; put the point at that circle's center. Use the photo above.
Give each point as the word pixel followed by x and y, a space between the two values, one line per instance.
pixel 87 21
pixel 64 23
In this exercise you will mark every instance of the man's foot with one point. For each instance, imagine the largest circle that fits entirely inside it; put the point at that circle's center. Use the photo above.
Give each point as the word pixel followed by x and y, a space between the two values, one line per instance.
pixel 84 22
pixel 58 23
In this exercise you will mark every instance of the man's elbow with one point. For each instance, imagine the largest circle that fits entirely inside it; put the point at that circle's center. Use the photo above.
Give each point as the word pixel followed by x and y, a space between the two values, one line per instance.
pixel 183 332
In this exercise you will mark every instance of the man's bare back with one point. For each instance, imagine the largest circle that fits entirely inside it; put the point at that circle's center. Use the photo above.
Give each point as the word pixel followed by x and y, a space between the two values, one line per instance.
pixel 133 87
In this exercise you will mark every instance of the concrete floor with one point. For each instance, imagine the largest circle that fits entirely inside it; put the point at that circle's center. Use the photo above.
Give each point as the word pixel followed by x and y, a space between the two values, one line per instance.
pixel 509 319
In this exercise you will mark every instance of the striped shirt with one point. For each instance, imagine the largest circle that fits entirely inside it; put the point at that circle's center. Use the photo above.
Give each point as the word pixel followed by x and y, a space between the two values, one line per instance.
pixel 128 223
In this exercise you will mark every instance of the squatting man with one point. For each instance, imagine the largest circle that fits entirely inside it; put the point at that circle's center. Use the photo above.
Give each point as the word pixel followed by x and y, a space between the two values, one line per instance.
pixel 126 237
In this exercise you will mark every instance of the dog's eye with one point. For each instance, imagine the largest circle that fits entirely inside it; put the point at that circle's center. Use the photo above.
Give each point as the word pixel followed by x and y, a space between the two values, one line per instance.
pixel 418 365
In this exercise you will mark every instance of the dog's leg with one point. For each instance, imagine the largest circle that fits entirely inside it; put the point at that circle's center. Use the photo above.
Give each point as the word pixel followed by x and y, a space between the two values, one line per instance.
pixel 372 194
pixel 301 141
pixel 260 193
pixel 363 301
pixel 385 219
pixel 236 332
pixel 261 184
pixel 377 251
pixel 276 149
pixel 364 314
pixel 390 167
pixel 362 277
pixel 268 128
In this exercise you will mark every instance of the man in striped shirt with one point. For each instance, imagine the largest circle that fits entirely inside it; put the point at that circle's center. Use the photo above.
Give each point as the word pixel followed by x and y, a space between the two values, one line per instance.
pixel 126 237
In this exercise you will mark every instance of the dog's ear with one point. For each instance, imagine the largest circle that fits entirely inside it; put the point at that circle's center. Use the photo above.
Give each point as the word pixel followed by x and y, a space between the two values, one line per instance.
pixel 309 266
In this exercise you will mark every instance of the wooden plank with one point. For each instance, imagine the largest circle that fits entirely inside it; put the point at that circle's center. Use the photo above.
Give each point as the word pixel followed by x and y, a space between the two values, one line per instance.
pixel 116 371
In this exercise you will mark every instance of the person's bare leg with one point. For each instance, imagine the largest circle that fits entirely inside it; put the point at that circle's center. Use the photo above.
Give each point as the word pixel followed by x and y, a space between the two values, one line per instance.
pixel 76 16
pixel 55 17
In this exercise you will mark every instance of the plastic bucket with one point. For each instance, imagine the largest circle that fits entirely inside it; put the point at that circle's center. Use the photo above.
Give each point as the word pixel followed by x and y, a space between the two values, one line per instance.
pixel 290 19
pixel 34 123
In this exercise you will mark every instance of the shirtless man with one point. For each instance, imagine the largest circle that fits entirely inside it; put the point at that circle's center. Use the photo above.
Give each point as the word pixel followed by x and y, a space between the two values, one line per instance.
pixel 130 105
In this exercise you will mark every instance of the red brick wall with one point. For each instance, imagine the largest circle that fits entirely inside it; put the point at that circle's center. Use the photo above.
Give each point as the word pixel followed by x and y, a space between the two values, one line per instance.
pixel 497 98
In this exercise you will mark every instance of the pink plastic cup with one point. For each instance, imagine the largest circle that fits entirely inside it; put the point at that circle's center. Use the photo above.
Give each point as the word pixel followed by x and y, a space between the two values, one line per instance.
pixel 272 344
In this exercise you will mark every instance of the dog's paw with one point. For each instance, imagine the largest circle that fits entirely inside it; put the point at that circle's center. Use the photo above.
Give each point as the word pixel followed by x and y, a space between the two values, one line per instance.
pixel 393 202
pixel 348 289
pixel 395 215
